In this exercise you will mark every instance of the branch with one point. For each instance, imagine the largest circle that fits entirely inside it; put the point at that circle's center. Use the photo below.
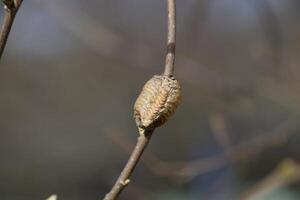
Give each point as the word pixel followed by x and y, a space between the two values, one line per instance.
pixel 171 43
pixel 146 133
pixel 10 10
pixel 135 156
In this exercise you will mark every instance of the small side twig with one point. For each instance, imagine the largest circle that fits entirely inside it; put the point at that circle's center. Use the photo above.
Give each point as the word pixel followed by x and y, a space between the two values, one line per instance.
pixel 145 136
pixel 10 10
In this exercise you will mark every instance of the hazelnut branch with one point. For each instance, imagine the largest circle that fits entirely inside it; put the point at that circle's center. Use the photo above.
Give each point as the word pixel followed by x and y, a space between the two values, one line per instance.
pixel 148 115
pixel 10 10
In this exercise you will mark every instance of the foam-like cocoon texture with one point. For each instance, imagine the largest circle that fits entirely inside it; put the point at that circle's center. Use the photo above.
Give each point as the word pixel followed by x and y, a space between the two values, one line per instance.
pixel 158 101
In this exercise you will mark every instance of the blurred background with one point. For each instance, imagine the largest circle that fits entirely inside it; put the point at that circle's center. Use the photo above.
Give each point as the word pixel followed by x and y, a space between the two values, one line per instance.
pixel 72 70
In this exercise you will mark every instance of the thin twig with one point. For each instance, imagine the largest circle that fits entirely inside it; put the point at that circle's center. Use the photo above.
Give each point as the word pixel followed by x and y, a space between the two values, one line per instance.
pixel 171 43
pixel 144 138
pixel 135 156
pixel 10 10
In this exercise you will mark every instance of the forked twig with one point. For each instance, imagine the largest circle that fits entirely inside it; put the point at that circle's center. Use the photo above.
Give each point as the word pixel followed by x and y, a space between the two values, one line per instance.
pixel 10 10
pixel 145 136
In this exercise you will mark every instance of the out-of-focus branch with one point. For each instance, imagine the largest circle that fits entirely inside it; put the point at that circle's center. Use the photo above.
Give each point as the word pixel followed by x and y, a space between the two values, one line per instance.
pixel 171 43
pixel 114 46
pixel 181 171
pixel 219 129
pixel 10 10
pixel 255 145
pixel 185 171
pixel 52 197
pixel 287 172
pixel 272 30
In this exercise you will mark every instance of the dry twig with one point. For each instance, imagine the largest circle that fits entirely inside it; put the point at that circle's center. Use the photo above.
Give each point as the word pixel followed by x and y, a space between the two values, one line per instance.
pixel 10 10
pixel 146 134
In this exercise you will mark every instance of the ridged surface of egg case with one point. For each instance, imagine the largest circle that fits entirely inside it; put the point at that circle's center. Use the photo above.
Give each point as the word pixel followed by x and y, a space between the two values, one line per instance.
pixel 158 101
